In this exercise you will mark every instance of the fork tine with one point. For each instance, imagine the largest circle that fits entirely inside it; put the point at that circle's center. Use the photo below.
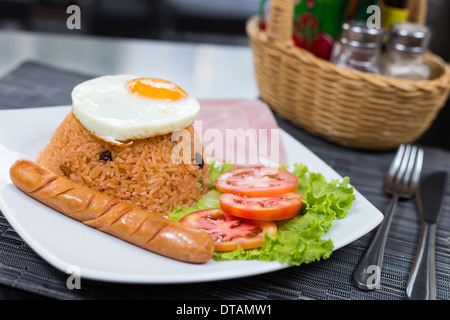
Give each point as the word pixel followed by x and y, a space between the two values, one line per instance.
pixel 406 187
pixel 406 179
pixel 403 165
pixel 395 165
pixel 418 168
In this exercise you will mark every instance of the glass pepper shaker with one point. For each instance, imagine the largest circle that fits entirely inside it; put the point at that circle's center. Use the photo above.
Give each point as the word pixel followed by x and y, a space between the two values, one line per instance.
pixel 405 52
pixel 359 47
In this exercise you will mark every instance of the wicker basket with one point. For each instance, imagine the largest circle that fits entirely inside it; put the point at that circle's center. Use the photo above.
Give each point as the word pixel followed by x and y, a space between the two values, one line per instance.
pixel 345 106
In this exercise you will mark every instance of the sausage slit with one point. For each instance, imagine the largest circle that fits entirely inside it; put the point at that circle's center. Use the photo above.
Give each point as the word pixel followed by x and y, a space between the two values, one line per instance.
pixel 91 200
pixel 109 207
pixel 85 208
pixel 156 233
pixel 126 211
pixel 45 185
pixel 139 226
pixel 61 193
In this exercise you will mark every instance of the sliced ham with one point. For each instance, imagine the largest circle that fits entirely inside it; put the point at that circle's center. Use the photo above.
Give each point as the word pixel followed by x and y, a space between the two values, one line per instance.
pixel 243 131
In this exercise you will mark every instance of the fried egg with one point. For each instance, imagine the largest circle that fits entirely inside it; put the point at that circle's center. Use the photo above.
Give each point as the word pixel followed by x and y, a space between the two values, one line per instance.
pixel 120 108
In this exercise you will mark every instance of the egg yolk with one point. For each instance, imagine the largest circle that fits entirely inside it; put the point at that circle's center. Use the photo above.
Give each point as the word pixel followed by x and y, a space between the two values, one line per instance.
pixel 156 89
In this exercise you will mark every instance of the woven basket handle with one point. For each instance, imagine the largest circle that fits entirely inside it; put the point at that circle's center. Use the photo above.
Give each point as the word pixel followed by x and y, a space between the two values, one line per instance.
pixel 281 15
pixel 418 11
pixel 279 26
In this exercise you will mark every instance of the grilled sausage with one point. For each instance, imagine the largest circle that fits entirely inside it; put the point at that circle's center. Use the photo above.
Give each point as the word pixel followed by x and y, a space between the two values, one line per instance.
pixel 123 220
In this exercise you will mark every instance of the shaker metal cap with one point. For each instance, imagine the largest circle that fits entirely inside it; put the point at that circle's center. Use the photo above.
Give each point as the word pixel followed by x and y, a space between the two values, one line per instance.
pixel 409 37
pixel 357 34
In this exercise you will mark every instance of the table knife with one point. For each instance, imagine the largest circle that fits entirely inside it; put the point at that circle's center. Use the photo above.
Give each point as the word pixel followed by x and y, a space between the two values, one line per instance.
pixel 422 279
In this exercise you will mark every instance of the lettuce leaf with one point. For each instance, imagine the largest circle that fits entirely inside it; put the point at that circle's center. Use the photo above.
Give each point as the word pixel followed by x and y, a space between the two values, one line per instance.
pixel 299 239
pixel 209 201
pixel 215 170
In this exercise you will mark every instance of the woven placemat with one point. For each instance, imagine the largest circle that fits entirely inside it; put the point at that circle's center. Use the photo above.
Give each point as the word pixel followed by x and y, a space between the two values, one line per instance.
pixel 34 85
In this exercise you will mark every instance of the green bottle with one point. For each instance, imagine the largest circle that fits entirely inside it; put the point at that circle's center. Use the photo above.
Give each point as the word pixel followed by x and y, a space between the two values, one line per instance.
pixel 317 24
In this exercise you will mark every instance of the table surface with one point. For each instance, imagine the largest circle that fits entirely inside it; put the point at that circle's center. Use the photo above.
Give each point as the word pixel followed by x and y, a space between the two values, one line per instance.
pixel 203 70
pixel 210 71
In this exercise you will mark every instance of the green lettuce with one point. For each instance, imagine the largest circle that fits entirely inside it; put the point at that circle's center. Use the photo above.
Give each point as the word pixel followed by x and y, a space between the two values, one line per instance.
pixel 215 170
pixel 299 239
pixel 209 201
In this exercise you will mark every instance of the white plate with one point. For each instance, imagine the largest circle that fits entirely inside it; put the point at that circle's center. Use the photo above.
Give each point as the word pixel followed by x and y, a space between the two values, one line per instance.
pixel 67 244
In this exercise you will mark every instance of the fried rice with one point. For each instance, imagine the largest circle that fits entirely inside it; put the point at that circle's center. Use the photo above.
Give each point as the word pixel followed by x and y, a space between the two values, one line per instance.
pixel 142 173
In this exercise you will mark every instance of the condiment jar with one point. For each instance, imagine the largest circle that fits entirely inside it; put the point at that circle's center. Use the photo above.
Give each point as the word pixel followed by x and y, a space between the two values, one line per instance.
pixel 394 11
pixel 359 47
pixel 405 52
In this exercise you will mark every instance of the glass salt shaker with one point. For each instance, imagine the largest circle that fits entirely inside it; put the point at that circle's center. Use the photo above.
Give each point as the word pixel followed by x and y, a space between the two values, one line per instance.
pixel 359 47
pixel 405 52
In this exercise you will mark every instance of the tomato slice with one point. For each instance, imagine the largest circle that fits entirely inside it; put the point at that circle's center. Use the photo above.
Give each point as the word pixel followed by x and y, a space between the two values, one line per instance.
pixel 228 231
pixel 257 181
pixel 271 208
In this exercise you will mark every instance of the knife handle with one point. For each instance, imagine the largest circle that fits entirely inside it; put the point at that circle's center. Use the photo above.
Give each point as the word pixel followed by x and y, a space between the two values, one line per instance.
pixel 422 279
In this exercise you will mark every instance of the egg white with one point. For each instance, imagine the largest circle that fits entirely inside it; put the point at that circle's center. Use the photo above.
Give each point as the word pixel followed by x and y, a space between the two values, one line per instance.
pixel 107 109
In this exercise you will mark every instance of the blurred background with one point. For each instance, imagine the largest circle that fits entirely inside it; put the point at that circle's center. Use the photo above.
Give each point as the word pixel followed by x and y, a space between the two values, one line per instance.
pixel 197 21
pixel 211 21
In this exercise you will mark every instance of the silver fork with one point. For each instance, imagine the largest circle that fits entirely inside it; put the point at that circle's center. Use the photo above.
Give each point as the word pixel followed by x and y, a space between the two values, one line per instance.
pixel 400 182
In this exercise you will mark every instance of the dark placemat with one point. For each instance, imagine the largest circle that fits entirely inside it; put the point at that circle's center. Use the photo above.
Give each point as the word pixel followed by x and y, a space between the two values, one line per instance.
pixel 34 85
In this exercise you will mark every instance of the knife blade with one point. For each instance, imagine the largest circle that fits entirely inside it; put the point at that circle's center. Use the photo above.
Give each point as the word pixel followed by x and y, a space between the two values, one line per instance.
pixel 430 193
pixel 422 279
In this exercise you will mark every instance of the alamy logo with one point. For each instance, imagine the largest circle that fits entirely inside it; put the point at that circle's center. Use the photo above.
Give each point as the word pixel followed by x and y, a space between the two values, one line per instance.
pixel 74 279
pixel 74 20
pixel 374 20
pixel 373 281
